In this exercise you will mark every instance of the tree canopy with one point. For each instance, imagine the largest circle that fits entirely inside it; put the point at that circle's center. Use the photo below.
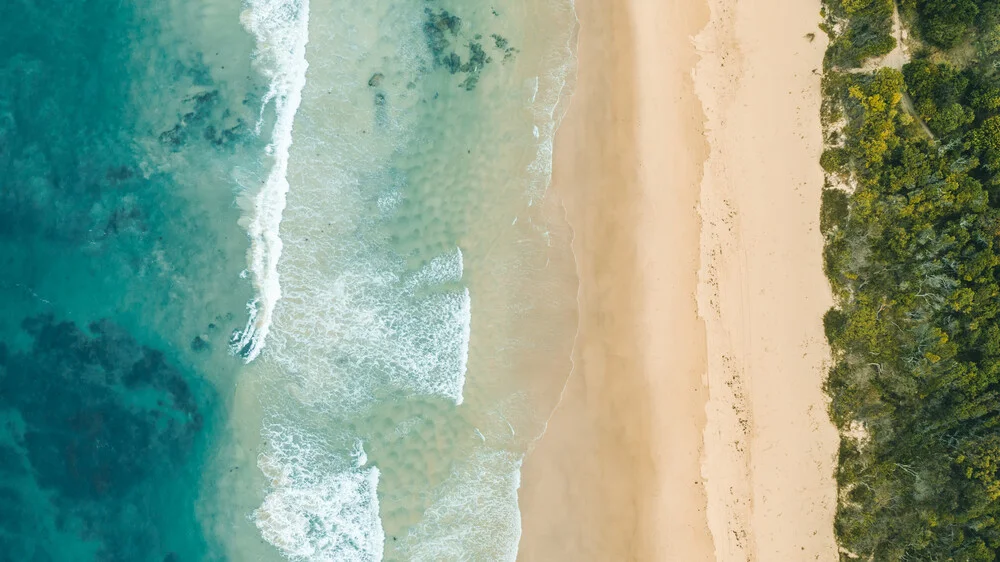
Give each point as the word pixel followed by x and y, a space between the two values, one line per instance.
pixel 913 256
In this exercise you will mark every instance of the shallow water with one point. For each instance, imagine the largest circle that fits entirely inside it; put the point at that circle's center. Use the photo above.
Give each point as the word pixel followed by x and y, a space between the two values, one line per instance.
pixel 409 324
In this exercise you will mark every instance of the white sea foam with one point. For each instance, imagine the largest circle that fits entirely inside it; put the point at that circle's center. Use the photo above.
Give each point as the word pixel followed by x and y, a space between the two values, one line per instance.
pixel 474 514
pixel 317 510
pixel 355 324
pixel 368 330
pixel 281 28
pixel 549 93
pixel 442 269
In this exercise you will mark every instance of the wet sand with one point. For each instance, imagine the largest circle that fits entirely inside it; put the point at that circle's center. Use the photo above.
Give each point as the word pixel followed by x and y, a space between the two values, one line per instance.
pixel 693 426
pixel 617 475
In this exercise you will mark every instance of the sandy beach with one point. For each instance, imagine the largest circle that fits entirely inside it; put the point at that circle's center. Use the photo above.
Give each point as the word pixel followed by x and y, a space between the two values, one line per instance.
pixel 693 426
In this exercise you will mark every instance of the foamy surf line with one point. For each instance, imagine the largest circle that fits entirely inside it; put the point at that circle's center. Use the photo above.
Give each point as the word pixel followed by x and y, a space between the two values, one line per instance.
pixel 367 327
pixel 318 509
pixel 281 28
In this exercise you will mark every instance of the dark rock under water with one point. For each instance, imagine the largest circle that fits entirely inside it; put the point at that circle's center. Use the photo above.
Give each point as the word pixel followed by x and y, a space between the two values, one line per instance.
pixel 442 29
pixel 95 423
pixel 111 261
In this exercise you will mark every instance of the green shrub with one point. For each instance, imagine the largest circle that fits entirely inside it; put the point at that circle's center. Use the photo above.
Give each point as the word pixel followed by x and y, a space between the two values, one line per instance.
pixel 868 33
pixel 834 209
pixel 913 255
pixel 834 160
pixel 944 23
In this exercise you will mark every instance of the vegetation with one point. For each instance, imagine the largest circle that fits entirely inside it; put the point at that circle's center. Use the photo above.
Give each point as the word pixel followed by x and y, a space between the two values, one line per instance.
pixel 913 255
pixel 866 31
pixel 946 23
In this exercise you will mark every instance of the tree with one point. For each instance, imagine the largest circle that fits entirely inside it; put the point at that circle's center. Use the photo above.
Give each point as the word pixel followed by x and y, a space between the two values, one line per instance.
pixel 944 23
pixel 916 330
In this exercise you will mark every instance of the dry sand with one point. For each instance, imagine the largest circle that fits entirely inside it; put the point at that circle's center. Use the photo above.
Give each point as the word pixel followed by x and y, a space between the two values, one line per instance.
pixel 700 351
pixel 769 445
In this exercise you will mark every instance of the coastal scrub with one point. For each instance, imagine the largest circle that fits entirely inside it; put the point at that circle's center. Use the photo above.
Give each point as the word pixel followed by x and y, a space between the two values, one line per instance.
pixel 914 261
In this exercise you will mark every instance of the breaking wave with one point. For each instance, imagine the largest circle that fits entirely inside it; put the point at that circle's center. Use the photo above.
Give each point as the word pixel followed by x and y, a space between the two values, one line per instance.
pixel 281 28
pixel 316 509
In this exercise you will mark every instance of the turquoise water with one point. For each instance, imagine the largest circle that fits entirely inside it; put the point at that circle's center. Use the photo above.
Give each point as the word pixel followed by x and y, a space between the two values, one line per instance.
pixel 280 278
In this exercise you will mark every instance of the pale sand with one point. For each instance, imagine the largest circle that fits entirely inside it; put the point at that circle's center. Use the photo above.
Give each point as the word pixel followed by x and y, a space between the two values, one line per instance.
pixel 617 475
pixel 769 445
pixel 671 307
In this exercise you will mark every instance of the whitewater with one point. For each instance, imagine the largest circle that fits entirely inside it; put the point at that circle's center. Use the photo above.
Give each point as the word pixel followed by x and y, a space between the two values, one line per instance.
pixel 413 305
pixel 281 29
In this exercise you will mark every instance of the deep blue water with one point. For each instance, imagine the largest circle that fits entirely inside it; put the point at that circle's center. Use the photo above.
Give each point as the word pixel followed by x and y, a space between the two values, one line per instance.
pixel 120 256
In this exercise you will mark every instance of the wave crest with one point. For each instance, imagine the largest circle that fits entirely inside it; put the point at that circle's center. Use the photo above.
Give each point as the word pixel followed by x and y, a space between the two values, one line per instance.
pixel 315 510
pixel 281 28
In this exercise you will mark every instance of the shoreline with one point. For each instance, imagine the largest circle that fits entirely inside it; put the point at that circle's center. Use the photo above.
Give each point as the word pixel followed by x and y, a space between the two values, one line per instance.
pixel 694 425
pixel 627 467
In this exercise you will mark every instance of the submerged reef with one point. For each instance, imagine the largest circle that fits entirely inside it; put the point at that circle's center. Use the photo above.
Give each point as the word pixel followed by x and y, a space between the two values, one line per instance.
pixel 93 425
pixel 79 173
pixel 116 216
pixel 229 131
pixel 502 44
pixel 442 29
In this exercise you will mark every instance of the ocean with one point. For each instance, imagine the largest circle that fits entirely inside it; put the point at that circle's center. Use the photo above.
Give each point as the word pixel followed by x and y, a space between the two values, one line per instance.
pixel 282 279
